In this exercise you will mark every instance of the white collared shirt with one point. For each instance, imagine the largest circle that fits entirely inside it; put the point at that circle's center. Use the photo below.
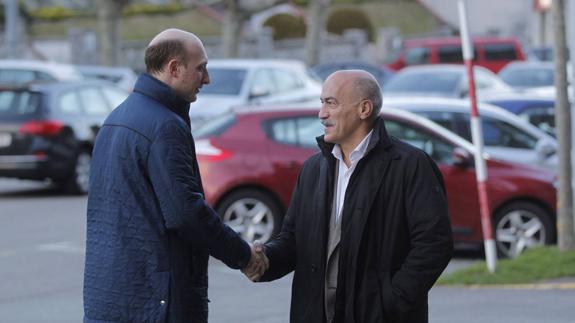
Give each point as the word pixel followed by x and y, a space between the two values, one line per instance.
pixel 344 173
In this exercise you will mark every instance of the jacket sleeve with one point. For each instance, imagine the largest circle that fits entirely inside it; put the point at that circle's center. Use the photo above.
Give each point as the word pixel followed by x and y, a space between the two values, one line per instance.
pixel 430 238
pixel 281 251
pixel 177 188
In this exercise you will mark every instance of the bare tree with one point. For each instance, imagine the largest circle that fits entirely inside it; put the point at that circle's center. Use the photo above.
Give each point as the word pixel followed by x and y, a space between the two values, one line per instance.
pixel 109 23
pixel 563 122
pixel 315 26
pixel 237 12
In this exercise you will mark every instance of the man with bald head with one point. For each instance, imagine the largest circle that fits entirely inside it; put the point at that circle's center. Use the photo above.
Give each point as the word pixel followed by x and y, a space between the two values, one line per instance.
pixel 149 230
pixel 367 231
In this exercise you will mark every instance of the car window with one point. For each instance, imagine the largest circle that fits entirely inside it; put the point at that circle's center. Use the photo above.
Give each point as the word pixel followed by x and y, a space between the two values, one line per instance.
pixel 93 102
pixel 16 76
pixel 445 119
pixel 263 83
pixel 498 133
pixel 541 117
pixel 438 149
pixel 450 54
pixel 494 52
pixel 528 77
pixel 417 55
pixel 424 82
pixel 17 103
pixel 114 96
pixel 69 103
pixel 286 80
pixel 297 131
pixel 44 76
pixel 225 81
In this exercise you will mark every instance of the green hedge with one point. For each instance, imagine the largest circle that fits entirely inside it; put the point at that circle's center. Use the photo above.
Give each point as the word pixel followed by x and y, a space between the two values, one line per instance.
pixel 286 26
pixel 53 13
pixel 151 9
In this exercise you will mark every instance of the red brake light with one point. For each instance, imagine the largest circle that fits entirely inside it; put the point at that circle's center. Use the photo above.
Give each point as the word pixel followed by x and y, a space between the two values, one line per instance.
pixel 206 150
pixel 42 128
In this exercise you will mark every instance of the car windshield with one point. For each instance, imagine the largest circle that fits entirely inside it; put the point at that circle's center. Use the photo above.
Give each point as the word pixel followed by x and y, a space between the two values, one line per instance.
pixel 528 77
pixel 424 82
pixel 18 103
pixel 225 81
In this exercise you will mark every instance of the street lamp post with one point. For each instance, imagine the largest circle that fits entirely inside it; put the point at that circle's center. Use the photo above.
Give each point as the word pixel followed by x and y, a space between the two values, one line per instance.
pixel 542 7
pixel 11 27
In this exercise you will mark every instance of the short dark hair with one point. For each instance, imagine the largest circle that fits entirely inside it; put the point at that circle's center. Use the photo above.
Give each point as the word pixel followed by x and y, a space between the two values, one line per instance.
pixel 158 55
pixel 369 89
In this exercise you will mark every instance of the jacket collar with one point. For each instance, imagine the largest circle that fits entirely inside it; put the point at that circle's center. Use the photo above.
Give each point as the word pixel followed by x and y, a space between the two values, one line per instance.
pixel 378 137
pixel 161 92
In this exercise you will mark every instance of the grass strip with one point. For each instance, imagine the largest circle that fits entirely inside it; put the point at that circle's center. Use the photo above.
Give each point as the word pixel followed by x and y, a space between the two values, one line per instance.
pixel 534 265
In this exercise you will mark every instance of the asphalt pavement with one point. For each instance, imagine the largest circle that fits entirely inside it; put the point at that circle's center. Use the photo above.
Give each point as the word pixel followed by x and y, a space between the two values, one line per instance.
pixel 42 233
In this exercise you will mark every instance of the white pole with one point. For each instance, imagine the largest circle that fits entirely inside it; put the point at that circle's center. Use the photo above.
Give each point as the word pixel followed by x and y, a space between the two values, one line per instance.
pixel 477 136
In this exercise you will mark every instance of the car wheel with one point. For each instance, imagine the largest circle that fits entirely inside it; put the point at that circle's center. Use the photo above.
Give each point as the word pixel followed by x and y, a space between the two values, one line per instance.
pixel 520 226
pixel 79 182
pixel 253 214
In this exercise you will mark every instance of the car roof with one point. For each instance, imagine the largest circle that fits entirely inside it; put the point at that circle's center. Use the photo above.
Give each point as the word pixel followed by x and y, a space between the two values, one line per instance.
pixel 251 63
pixel 47 86
pixel 59 71
pixel 456 41
pixel 528 65
pixel 439 68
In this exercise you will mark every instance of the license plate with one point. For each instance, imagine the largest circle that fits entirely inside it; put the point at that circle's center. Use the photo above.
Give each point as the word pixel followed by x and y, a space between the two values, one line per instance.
pixel 5 139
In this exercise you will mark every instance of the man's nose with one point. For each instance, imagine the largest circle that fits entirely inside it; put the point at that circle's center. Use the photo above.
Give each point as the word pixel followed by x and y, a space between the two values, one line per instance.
pixel 206 79
pixel 323 112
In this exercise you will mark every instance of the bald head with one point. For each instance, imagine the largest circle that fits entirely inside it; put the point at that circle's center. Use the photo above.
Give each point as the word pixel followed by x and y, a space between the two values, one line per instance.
pixel 171 44
pixel 360 84
pixel 176 35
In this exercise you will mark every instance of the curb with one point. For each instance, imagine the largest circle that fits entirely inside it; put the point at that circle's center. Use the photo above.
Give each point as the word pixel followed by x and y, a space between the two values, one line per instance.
pixel 537 286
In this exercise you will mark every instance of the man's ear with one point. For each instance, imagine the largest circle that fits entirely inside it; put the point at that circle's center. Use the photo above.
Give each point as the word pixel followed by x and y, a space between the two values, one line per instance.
pixel 173 67
pixel 366 109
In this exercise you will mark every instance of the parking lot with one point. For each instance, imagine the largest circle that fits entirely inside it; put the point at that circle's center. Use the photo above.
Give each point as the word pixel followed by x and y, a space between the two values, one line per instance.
pixel 42 234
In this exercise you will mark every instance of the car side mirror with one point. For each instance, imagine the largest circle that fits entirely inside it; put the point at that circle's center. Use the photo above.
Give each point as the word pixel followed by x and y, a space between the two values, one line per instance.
pixel 545 149
pixel 461 157
pixel 258 92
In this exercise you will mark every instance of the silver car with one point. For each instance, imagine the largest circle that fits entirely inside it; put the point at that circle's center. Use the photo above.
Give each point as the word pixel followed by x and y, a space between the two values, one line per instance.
pixel 506 136
pixel 443 80
pixel 236 82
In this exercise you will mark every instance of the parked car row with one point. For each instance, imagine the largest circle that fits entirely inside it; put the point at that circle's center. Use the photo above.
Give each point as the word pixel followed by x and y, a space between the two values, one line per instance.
pixel 252 81
pixel 250 159
pixel 21 71
pixel 47 129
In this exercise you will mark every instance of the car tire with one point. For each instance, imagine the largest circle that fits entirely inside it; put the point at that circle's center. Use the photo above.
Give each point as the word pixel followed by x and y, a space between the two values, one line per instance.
pixel 254 214
pixel 79 182
pixel 520 226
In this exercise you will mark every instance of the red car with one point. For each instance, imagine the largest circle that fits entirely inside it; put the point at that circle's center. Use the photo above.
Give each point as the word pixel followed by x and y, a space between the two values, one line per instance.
pixel 250 160
pixel 490 52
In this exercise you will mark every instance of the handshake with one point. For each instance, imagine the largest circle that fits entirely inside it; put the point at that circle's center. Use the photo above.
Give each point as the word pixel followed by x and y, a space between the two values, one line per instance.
pixel 258 264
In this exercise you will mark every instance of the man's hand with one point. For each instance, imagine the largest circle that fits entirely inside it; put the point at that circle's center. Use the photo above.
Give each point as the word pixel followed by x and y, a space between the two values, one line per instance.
pixel 258 264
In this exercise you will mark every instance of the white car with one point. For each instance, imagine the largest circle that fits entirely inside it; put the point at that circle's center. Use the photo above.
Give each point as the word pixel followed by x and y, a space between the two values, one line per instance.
pixel 236 82
pixel 14 71
pixel 443 80
pixel 506 136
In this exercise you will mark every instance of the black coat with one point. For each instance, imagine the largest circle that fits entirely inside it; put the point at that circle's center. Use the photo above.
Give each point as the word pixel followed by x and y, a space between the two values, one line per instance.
pixel 395 235
pixel 150 231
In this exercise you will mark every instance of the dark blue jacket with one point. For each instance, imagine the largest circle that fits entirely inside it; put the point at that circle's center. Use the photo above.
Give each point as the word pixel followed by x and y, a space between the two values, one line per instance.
pixel 149 230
